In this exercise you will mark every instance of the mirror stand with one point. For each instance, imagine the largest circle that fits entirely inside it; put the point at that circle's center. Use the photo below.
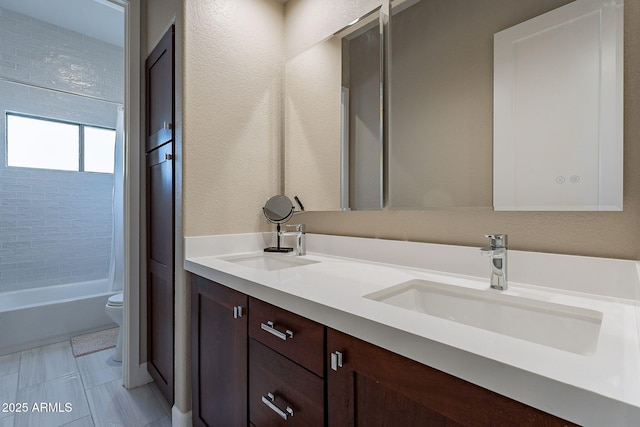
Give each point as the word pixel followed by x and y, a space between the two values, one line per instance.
pixel 277 248
pixel 278 210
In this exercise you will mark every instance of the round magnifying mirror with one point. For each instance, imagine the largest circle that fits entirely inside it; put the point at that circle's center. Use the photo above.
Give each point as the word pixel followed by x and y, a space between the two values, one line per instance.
pixel 278 209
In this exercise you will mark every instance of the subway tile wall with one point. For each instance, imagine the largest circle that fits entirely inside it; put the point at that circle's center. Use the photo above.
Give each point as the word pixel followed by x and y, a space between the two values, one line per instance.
pixel 55 226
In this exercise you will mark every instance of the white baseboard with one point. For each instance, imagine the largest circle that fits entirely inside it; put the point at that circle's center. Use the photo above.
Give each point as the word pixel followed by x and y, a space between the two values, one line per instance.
pixel 179 418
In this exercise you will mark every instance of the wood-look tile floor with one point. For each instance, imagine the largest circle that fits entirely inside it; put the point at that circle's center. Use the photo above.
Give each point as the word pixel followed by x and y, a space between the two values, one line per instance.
pixel 48 387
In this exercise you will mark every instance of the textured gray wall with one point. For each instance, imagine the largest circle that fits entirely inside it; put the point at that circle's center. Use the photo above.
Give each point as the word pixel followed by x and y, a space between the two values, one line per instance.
pixel 55 226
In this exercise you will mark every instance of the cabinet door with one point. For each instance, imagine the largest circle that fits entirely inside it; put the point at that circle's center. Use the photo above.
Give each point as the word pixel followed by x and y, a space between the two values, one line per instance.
pixel 218 354
pixel 159 109
pixel 159 75
pixel 160 266
pixel 377 387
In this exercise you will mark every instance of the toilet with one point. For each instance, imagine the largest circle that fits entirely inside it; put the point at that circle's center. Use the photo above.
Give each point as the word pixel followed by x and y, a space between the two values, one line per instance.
pixel 114 310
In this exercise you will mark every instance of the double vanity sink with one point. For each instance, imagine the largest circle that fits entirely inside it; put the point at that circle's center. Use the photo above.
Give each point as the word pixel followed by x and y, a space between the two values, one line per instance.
pixel 564 340
pixel 564 327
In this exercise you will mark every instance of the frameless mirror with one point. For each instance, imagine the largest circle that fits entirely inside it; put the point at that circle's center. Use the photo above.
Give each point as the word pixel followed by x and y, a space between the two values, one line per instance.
pixel 312 125
pixel 362 131
pixel 331 97
pixel 440 112
pixel 440 98
pixel 558 101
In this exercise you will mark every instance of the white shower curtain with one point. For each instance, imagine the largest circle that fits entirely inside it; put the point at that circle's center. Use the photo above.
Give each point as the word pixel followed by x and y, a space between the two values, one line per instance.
pixel 116 270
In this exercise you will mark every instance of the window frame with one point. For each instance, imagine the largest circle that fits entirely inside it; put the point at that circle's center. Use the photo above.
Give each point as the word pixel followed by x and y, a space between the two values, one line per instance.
pixel 81 140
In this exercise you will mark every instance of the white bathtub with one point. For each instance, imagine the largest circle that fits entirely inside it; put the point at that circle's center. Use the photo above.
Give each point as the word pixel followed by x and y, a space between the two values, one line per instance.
pixel 34 317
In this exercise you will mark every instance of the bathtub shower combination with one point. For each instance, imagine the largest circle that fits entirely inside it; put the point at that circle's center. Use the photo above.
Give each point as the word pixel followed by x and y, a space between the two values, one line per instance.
pixel 61 198
pixel 34 317
pixel 39 316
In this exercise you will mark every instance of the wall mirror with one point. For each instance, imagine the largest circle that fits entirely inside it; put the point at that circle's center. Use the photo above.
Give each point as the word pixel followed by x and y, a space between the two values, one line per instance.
pixel 440 112
pixel 440 104
pixel 333 140
pixel 312 126
pixel 558 101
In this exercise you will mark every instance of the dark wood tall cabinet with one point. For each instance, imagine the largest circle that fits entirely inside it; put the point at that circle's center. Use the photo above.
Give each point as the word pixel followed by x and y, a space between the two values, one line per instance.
pixel 160 212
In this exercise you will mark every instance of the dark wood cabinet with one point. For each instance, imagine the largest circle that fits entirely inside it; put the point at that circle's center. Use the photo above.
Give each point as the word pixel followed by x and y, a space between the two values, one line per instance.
pixel 160 287
pixel 160 212
pixel 219 367
pixel 281 392
pixel 286 368
pixel 377 387
pixel 258 367
pixel 293 336
pixel 160 93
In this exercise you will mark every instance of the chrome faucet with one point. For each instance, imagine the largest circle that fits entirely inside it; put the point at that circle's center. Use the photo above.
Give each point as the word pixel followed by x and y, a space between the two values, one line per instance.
pixel 301 245
pixel 497 251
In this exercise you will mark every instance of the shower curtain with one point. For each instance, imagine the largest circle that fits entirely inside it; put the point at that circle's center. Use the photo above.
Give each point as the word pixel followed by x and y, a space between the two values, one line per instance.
pixel 116 270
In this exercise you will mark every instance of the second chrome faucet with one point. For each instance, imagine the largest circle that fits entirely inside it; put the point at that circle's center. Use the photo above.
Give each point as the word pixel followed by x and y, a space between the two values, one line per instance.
pixel 497 252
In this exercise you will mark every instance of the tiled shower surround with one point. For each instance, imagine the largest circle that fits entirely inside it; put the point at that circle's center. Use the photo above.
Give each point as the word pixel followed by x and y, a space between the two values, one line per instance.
pixel 55 226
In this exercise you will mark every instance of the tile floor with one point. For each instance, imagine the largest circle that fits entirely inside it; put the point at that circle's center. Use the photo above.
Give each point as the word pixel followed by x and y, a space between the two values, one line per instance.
pixel 60 390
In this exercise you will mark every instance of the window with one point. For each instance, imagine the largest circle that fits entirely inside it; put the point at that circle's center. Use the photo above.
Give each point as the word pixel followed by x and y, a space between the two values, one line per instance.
pixel 99 145
pixel 36 142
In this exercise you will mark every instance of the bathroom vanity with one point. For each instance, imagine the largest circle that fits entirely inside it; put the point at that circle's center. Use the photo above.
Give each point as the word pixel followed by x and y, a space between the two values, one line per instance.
pixel 323 339
pixel 366 385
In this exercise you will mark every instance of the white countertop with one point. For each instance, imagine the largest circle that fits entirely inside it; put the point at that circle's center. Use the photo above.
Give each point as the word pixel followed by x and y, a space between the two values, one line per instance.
pixel 598 389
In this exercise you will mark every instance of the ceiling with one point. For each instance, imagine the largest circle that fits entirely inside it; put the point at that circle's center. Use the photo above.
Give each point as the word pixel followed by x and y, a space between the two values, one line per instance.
pixel 99 19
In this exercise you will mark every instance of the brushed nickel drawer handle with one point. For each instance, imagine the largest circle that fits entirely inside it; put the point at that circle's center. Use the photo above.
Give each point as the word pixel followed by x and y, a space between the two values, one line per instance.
pixel 271 328
pixel 336 360
pixel 238 311
pixel 269 400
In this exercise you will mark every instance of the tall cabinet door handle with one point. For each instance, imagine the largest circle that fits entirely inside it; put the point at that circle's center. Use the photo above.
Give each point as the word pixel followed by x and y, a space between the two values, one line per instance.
pixel 238 311
pixel 269 400
pixel 336 360
pixel 271 328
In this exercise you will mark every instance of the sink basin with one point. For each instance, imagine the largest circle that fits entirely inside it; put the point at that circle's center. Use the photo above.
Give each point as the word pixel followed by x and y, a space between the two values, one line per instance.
pixel 564 327
pixel 268 262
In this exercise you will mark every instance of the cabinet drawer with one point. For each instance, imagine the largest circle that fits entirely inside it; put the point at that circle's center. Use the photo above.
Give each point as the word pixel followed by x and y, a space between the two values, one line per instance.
pixel 279 387
pixel 300 339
